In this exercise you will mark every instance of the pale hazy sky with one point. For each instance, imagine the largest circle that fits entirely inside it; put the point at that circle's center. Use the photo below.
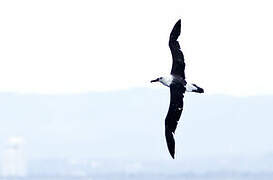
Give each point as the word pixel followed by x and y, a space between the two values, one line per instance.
pixel 64 46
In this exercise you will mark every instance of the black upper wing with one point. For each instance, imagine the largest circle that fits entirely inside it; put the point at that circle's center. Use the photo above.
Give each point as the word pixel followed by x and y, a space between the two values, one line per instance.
pixel 174 113
pixel 178 66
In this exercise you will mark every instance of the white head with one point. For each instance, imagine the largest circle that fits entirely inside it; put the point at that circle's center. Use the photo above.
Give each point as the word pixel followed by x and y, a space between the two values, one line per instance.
pixel 164 80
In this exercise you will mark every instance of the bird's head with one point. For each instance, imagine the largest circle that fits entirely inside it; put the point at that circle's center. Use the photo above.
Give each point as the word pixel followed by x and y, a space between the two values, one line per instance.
pixel 157 80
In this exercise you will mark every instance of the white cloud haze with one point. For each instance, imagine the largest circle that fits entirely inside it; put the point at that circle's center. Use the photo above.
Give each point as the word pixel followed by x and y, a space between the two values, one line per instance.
pixel 79 46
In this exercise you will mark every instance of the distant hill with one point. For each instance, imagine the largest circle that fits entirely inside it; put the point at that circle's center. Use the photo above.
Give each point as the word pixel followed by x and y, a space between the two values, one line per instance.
pixel 129 124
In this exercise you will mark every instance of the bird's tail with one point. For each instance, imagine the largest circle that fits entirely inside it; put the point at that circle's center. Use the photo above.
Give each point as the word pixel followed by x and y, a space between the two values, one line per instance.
pixel 198 89
pixel 170 141
pixel 194 88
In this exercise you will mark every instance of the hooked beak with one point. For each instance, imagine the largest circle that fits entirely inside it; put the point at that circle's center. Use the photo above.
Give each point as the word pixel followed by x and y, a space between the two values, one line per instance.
pixel 155 80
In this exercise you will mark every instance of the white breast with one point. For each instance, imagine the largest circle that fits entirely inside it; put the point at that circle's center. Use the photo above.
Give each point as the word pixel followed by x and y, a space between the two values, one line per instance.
pixel 167 80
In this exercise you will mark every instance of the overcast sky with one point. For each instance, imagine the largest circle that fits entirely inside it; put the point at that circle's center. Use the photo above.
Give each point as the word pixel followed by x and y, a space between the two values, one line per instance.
pixel 64 46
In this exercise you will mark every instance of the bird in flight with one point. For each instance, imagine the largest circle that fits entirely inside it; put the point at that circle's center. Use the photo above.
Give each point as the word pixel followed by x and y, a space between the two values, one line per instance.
pixel 178 86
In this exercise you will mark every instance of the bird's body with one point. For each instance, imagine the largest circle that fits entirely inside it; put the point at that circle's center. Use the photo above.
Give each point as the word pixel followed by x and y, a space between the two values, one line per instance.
pixel 168 80
pixel 178 86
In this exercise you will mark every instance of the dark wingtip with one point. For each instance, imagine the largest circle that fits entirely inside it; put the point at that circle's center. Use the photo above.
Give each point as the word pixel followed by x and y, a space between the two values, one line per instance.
pixel 172 156
pixel 170 142
pixel 179 21
pixel 175 31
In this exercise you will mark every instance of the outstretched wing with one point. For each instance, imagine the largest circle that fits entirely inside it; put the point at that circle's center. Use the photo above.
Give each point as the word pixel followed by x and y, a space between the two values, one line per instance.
pixel 174 113
pixel 178 66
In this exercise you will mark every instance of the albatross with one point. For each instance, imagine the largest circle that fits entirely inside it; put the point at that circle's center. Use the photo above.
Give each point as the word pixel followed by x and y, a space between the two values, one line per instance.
pixel 178 86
